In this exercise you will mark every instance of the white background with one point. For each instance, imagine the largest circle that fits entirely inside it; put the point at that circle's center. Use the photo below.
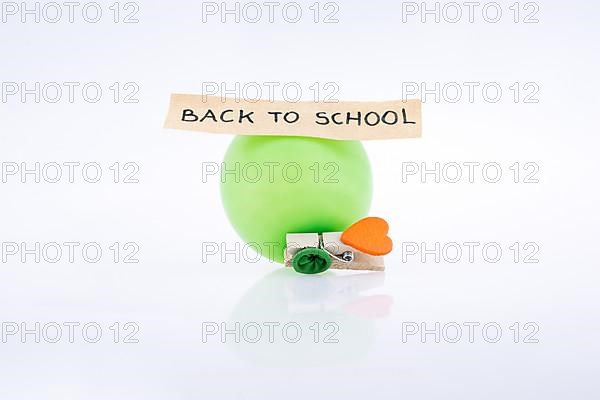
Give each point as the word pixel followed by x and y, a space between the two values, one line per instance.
pixel 171 212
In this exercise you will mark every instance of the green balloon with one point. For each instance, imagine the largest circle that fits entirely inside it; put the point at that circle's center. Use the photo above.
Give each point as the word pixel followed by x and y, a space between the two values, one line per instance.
pixel 273 185
pixel 311 261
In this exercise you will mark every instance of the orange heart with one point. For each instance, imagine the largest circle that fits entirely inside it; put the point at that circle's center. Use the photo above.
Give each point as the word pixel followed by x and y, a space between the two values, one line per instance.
pixel 369 235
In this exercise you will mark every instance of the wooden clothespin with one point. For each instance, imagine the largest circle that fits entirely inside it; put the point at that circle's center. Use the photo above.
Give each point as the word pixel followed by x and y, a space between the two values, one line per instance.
pixel 360 247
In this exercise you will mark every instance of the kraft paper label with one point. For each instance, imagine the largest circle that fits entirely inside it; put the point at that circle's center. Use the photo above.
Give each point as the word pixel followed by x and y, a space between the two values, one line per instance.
pixel 397 119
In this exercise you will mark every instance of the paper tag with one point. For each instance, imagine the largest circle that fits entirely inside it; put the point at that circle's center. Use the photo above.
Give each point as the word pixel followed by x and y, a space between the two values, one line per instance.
pixel 395 119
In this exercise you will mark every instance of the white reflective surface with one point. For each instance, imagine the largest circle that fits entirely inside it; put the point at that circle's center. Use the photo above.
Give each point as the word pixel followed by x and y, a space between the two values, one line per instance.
pixel 441 322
